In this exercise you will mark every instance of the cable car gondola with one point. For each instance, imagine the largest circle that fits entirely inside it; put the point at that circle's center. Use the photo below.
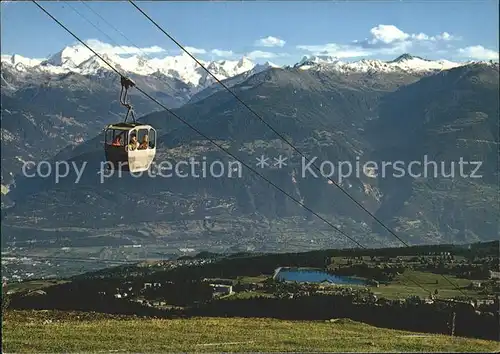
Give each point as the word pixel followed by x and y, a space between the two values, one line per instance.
pixel 129 146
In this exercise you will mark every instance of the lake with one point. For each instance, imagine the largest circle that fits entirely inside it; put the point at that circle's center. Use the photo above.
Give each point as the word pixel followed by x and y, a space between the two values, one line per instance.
pixel 314 276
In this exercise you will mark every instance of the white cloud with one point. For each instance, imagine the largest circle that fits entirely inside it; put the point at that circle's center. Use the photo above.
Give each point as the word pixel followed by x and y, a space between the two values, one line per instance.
pixel 387 34
pixel 222 53
pixel 445 36
pixel 390 34
pixel 194 50
pixel 258 54
pixel 106 48
pixel 383 40
pixel 336 50
pixel 270 41
pixel 478 52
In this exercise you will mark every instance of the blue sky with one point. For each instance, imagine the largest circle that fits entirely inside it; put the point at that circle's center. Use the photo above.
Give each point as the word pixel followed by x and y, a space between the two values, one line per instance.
pixel 278 31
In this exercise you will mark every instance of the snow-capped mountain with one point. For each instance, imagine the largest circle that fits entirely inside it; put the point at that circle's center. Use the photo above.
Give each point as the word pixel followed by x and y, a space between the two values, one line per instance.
pixel 79 59
pixel 313 60
pixel 405 62
pixel 19 62
pixel 232 81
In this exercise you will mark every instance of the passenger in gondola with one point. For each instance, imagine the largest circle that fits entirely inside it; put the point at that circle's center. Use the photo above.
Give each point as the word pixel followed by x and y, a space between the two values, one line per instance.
pixel 117 141
pixel 134 144
pixel 145 143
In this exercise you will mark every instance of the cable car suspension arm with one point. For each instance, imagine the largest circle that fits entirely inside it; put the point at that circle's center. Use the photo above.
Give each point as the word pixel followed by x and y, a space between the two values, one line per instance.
pixel 126 84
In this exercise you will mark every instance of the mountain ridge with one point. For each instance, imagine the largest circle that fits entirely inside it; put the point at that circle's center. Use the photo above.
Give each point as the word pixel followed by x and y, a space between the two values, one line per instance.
pixel 77 58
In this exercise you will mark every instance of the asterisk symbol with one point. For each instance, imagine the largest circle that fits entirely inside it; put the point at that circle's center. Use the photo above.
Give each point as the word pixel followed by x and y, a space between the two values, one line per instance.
pixel 262 161
pixel 280 161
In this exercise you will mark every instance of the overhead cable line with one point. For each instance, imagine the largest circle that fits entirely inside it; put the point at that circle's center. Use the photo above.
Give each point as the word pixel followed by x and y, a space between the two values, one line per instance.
pixel 114 28
pixel 278 133
pixel 200 133
pixel 262 119
pixel 219 146
pixel 92 24
pixel 213 142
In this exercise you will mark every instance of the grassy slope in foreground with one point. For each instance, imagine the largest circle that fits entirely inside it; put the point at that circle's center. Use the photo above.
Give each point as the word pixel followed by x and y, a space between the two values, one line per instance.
pixel 25 331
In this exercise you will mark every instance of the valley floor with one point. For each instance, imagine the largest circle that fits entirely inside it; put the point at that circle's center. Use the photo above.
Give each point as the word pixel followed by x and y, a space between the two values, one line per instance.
pixel 56 331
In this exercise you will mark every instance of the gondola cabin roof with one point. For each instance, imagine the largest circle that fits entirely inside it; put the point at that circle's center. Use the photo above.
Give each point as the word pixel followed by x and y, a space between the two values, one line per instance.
pixel 128 126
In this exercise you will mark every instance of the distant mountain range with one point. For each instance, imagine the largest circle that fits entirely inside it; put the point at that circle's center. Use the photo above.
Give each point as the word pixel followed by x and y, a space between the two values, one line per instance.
pixel 371 110
pixel 404 63
pixel 79 59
